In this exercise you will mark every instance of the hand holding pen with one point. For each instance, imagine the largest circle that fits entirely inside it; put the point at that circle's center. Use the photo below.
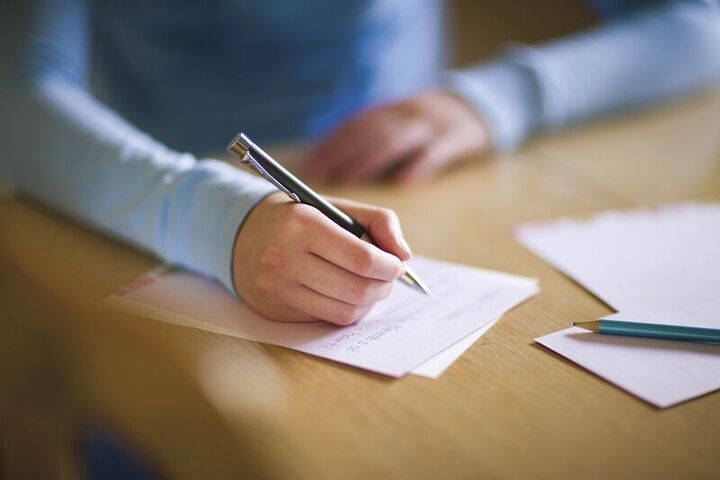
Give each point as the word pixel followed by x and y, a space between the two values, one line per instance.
pixel 293 263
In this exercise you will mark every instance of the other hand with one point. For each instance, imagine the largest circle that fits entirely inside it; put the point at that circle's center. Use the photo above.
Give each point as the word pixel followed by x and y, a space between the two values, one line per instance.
pixel 291 263
pixel 411 140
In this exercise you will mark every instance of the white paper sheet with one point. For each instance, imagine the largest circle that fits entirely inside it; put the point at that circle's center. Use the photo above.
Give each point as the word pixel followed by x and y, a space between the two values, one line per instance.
pixel 661 372
pixel 436 366
pixel 398 334
pixel 656 266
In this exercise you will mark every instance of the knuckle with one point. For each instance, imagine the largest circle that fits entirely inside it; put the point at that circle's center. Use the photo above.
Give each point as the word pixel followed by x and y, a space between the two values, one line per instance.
pixel 301 218
pixel 296 220
pixel 392 268
pixel 363 261
pixel 398 268
pixel 305 212
pixel 271 258
pixel 313 220
pixel 292 227
pixel 350 314
pixel 385 290
pixel 266 284
pixel 362 293
pixel 389 143
pixel 344 315
pixel 388 215
pixel 355 293
pixel 359 312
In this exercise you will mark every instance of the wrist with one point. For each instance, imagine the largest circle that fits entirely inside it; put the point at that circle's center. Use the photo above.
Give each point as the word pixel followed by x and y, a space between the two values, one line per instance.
pixel 505 95
pixel 243 234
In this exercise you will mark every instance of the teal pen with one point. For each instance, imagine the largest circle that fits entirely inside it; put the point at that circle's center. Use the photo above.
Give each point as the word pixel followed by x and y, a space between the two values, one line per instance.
pixel 652 330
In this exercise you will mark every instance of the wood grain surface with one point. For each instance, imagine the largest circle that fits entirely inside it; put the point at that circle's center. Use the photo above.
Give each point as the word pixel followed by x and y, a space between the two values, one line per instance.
pixel 507 408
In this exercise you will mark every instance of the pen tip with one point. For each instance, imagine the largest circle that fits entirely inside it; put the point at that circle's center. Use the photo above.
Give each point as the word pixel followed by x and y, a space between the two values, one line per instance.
pixel 411 278
pixel 592 326
pixel 420 285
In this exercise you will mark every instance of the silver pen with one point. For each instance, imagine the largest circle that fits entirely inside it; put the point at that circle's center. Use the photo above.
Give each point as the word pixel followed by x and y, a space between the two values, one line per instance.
pixel 255 158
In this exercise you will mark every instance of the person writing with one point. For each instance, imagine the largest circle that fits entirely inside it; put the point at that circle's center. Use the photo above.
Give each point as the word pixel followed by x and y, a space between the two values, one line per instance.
pixel 62 145
pixel 111 112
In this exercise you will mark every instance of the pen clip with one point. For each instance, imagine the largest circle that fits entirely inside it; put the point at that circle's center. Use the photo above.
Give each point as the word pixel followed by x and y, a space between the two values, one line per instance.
pixel 255 165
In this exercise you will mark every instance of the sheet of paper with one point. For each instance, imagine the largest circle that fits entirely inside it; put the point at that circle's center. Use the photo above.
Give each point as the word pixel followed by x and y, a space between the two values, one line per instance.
pixel 397 335
pixel 667 257
pixel 655 266
pixel 436 366
pixel 661 372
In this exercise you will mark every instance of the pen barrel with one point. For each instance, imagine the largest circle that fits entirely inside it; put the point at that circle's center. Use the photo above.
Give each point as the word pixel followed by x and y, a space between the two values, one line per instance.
pixel 306 195
pixel 663 332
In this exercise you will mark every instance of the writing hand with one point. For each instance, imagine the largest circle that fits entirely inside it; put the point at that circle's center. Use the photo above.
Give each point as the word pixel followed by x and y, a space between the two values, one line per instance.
pixel 291 263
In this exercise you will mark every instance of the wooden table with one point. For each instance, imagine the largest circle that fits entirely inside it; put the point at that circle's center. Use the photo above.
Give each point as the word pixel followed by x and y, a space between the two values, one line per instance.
pixel 507 408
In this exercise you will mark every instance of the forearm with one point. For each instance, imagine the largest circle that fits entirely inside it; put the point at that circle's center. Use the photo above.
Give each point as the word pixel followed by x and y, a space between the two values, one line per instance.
pixel 70 152
pixel 642 58
pixel 63 147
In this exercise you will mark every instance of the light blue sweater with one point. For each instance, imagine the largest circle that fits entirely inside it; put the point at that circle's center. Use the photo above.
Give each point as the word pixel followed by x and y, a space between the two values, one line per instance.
pixel 99 97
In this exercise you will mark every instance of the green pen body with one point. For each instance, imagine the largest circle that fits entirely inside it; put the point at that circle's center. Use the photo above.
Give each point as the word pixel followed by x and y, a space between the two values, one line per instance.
pixel 654 330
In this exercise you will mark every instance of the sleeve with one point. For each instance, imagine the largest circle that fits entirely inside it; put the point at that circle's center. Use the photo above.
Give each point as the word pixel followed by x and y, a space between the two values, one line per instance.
pixel 639 58
pixel 61 146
